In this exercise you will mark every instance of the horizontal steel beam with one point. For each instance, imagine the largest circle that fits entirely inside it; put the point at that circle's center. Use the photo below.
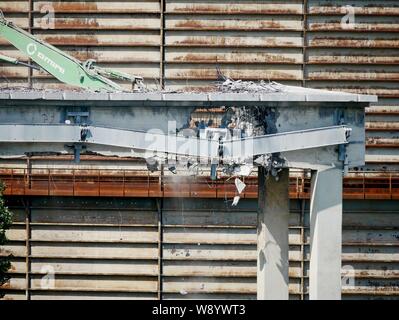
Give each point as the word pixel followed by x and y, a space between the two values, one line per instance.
pixel 287 141
pixel 163 143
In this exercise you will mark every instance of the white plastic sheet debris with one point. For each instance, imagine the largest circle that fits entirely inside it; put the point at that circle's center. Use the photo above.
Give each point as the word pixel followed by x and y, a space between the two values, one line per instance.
pixel 244 170
pixel 235 201
pixel 240 185
pixel 240 188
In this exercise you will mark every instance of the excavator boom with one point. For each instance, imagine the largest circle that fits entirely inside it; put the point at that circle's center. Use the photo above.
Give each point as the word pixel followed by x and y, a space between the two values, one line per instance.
pixel 62 66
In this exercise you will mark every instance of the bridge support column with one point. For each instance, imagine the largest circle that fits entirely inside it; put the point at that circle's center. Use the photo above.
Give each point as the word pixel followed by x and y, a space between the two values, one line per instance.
pixel 325 234
pixel 272 252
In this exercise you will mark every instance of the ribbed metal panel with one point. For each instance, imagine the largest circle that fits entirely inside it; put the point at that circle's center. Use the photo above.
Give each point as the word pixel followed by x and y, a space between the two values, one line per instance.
pixel 369 250
pixel 247 39
pixel 94 248
pixel 195 233
pixel 361 58
pixel 124 35
pixel 109 248
pixel 19 13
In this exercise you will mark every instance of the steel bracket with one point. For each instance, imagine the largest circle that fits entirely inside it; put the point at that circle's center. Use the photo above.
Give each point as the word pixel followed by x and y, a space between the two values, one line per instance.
pixel 342 152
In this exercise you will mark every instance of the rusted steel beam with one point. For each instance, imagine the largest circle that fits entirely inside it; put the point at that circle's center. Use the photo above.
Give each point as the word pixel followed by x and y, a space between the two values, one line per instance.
pixel 127 183
pixel 101 7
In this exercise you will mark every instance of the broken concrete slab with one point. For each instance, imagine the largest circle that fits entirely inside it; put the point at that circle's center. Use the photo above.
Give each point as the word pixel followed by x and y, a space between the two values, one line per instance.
pixel 275 97
pixel 26 95
pixel 234 96
pixel 331 97
pixel 282 94
pixel 185 97
pixel 135 96
pixel 366 98
pixel 53 95
pixel 76 95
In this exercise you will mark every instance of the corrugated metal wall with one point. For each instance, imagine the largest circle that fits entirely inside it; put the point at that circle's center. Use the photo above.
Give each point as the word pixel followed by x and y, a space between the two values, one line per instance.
pixel 181 42
pixel 124 35
pixel 118 248
pixel 103 248
pixel 247 39
pixel 208 252
pixel 361 58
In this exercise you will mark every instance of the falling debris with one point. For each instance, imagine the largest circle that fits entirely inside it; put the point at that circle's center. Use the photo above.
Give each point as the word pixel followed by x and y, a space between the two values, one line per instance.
pixel 240 185
pixel 183 292
pixel 235 169
pixel 152 164
pixel 244 170
pixel 235 201
pixel 273 163
pixel 173 169
pixel 193 168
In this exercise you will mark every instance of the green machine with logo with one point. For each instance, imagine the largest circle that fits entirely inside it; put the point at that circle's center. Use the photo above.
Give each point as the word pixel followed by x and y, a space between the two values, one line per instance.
pixel 62 66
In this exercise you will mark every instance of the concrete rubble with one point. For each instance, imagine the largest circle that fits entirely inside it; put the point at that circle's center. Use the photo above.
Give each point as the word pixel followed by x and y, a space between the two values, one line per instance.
pixel 239 86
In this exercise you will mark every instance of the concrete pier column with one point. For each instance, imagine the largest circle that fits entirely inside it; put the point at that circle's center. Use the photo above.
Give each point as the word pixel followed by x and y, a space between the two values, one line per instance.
pixel 273 216
pixel 325 234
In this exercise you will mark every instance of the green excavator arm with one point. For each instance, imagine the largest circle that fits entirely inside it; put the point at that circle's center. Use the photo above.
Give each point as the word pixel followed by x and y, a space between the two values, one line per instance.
pixel 62 66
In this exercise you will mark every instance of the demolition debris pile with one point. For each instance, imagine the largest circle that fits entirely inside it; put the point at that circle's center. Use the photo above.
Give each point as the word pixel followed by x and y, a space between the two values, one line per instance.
pixel 239 86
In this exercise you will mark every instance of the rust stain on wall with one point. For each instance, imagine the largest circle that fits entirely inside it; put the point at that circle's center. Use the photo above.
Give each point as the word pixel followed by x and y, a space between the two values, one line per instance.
pixel 75 7
pixel 232 9
pixel 215 58
pixel 220 26
pixel 76 40
pixel 89 23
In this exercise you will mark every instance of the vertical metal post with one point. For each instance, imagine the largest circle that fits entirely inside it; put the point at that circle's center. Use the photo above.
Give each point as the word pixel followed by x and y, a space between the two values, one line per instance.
pixel 12 182
pixel 99 183
pixel 159 202
pixel 272 251
pixel 48 182
pixel 124 182
pixel 148 183
pixel 325 234
pixel 305 42
pixel 303 253
pixel 30 30
pixel 28 248
pixel 29 170
pixel 364 185
pixel 390 186
pixel 73 182
pixel 162 44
